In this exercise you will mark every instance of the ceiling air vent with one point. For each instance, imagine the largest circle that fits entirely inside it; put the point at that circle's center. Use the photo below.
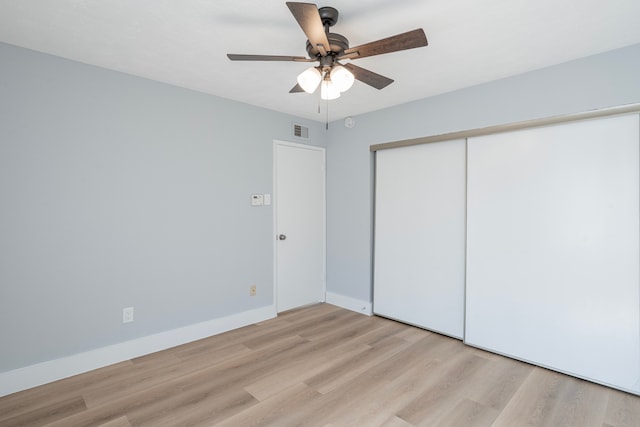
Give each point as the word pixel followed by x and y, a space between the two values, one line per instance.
pixel 300 131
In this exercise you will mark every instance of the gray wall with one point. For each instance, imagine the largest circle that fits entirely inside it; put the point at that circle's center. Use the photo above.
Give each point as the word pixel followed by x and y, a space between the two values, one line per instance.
pixel 608 79
pixel 118 191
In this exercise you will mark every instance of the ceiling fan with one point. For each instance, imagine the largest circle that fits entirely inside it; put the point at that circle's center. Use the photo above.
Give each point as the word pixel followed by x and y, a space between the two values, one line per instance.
pixel 330 48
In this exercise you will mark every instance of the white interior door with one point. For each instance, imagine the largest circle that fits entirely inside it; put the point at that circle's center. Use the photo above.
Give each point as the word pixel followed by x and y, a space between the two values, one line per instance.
pixel 299 225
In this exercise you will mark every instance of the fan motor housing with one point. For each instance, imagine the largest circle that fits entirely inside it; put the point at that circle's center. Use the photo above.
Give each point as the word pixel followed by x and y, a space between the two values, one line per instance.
pixel 337 44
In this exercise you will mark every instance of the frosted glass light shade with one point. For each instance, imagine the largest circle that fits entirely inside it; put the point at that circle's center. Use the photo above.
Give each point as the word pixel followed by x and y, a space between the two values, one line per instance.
pixel 329 91
pixel 309 79
pixel 342 78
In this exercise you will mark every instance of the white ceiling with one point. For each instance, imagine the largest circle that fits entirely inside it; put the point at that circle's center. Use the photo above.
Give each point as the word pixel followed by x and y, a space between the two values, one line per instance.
pixel 184 42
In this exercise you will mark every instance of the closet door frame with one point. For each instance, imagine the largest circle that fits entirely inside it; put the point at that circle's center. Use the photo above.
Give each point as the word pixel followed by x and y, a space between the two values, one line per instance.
pixel 592 114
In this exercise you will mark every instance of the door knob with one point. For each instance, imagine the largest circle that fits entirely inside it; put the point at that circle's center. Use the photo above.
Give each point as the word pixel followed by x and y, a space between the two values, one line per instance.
pixel 282 237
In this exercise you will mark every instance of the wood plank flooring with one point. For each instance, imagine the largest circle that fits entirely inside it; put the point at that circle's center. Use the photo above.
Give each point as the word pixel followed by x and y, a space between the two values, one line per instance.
pixel 322 366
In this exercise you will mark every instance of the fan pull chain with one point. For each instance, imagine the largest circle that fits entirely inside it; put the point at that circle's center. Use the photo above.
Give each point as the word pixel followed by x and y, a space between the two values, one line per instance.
pixel 327 123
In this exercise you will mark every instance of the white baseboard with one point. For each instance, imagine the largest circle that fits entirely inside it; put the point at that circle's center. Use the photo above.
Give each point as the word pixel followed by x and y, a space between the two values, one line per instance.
pixel 349 303
pixel 53 370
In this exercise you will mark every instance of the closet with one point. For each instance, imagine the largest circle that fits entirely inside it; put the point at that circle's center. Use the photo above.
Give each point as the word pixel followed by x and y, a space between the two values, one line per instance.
pixel 522 240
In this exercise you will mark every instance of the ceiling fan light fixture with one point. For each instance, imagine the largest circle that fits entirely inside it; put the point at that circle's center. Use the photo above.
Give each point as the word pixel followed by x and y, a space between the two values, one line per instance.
pixel 328 49
pixel 309 79
pixel 329 90
pixel 342 78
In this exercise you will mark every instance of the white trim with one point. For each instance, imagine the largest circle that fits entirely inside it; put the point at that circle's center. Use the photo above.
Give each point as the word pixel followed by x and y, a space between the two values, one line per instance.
pixel 53 370
pixel 349 303
pixel 299 145
pixel 509 127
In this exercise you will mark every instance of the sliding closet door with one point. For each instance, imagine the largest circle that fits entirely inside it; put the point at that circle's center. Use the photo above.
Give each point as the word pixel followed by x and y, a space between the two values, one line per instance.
pixel 553 247
pixel 420 235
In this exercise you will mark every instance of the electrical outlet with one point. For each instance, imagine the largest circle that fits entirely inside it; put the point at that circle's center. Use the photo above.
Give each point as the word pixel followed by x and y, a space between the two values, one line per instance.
pixel 127 315
pixel 252 290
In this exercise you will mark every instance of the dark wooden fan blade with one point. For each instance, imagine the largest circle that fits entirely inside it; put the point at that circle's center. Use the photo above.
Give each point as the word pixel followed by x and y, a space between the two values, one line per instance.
pixel 309 20
pixel 368 77
pixel 408 40
pixel 236 57
pixel 296 89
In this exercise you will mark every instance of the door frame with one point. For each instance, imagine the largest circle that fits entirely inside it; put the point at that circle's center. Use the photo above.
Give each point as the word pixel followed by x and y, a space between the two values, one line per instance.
pixel 274 235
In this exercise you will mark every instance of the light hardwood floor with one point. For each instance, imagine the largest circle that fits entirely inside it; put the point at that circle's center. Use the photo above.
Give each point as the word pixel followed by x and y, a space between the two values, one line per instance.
pixel 322 366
